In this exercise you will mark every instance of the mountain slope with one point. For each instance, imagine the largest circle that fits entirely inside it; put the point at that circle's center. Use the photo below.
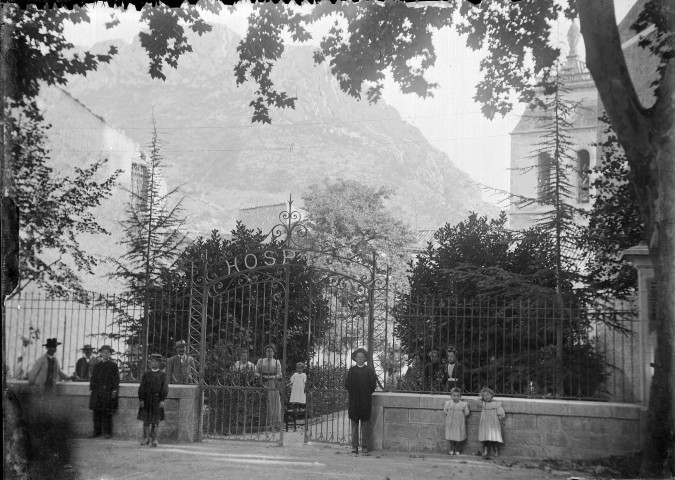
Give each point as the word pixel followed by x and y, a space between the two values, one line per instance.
pixel 226 163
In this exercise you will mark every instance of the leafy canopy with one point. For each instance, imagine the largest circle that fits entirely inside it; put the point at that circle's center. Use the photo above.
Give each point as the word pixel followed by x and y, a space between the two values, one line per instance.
pixel 55 209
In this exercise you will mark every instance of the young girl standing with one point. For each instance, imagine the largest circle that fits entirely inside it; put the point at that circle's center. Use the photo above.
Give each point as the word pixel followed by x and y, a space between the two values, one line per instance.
pixel 456 412
pixel 297 384
pixel 490 428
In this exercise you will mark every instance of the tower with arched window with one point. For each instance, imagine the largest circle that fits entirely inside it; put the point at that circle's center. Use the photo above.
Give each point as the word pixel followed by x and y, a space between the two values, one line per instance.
pixel 530 168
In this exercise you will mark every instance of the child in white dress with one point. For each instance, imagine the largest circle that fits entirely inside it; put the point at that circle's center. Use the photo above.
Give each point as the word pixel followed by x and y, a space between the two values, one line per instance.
pixel 297 384
pixel 490 428
pixel 455 412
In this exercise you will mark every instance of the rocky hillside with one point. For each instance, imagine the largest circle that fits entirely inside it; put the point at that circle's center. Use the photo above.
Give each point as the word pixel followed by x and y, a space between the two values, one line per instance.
pixel 225 162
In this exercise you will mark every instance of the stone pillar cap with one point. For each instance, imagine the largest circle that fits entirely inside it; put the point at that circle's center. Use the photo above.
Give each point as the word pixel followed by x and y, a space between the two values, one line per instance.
pixel 639 254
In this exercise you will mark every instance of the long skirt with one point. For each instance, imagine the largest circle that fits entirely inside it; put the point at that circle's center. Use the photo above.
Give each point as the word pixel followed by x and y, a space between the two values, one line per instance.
pixel 273 418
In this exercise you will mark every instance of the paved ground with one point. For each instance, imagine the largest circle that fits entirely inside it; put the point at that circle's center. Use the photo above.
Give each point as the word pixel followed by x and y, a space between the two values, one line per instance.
pixel 114 459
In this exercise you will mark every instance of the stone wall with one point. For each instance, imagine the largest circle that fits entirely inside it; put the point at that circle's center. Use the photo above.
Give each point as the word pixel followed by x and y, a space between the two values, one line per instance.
pixel 70 404
pixel 533 428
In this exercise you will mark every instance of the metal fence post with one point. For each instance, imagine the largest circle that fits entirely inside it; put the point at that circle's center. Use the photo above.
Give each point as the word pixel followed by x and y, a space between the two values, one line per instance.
pixel 202 351
pixel 371 310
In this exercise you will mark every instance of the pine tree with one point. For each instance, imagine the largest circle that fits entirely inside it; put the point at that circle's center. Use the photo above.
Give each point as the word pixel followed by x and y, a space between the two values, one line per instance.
pixel 555 161
pixel 153 238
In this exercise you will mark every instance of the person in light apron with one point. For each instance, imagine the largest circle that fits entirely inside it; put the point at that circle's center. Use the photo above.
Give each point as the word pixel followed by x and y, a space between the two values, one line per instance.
pixel 454 372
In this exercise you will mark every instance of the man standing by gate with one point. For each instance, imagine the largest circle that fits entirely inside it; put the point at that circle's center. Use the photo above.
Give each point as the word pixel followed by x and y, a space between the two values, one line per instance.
pixel 85 365
pixel 181 367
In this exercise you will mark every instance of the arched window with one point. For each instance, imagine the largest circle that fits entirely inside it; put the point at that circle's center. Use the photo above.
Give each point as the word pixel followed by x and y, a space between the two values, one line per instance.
pixel 583 178
pixel 543 175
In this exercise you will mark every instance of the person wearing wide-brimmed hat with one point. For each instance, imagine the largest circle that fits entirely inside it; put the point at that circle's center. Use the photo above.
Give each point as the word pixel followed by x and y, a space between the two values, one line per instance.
pixel 104 385
pixel 46 370
pixel 361 383
pixel 181 367
pixel 85 365
pixel 152 392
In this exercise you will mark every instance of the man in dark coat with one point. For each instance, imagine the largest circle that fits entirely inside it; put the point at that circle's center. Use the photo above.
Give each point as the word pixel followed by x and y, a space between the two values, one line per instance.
pixel 85 365
pixel 361 383
pixel 152 392
pixel 104 385
pixel 181 367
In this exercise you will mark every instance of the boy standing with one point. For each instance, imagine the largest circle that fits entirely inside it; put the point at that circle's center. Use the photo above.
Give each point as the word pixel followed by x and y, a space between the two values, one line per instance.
pixel 152 392
pixel 361 382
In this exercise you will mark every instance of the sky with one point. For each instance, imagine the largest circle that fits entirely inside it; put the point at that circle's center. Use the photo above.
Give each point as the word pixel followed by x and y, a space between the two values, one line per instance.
pixel 451 120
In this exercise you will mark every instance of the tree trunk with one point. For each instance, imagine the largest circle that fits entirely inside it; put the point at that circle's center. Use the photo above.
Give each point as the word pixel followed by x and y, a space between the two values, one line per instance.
pixel 648 138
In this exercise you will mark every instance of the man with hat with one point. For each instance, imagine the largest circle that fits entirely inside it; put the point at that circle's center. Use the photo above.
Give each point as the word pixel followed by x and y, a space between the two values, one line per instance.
pixel 104 385
pixel 152 392
pixel 361 383
pixel 181 367
pixel 85 365
pixel 46 371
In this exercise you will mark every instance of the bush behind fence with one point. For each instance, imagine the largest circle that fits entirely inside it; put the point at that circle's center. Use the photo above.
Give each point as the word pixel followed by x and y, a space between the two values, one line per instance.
pixel 511 346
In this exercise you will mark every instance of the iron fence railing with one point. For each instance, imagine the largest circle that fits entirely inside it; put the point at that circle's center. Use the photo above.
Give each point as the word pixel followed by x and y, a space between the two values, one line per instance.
pixel 95 320
pixel 511 346
pixel 521 348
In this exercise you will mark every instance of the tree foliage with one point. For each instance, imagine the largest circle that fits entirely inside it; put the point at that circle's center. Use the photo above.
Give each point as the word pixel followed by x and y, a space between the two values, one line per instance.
pixel 55 209
pixel 515 39
pixel 490 293
pixel 154 229
pixel 38 51
pixel 614 223
pixel 351 219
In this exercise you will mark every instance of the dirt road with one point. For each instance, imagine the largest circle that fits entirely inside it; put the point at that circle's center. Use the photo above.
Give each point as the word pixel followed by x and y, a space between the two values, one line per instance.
pixel 114 459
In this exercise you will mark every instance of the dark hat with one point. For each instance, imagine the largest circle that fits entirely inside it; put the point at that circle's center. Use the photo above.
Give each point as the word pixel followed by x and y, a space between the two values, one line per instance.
pixel 87 347
pixel 270 346
pixel 359 350
pixel 51 342
pixel 180 343
pixel 106 347
pixel 156 356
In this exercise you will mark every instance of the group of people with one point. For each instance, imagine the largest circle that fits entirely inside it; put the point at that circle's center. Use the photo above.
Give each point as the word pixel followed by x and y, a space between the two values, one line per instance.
pixel 440 373
pixel 361 381
pixel 489 429
pixel 104 379
pixel 268 370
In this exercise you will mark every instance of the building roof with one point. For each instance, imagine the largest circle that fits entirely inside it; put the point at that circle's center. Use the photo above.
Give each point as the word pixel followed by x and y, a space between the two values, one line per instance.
pixel 422 239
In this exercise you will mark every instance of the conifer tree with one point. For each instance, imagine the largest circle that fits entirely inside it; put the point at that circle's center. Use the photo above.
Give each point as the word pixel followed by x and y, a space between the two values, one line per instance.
pixel 153 238
pixel 555 162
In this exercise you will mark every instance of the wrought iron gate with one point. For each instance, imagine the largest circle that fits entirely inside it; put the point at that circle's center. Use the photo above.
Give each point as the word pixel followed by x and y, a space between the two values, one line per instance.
pixel 309 304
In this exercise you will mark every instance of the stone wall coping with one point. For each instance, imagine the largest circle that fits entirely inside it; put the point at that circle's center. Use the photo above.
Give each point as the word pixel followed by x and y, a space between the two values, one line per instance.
pixel 573 408
pixel 126 389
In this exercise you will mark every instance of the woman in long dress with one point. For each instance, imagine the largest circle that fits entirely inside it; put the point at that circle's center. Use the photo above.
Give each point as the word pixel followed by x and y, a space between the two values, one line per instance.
pixel 269 371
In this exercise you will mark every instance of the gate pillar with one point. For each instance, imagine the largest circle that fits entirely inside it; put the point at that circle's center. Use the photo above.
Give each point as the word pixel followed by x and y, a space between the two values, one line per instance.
pixel 639 257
